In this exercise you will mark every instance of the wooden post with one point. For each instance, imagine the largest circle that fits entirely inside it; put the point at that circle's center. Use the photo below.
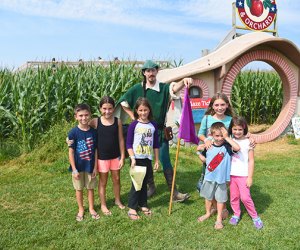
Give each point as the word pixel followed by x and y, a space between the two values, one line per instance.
pixel 174 174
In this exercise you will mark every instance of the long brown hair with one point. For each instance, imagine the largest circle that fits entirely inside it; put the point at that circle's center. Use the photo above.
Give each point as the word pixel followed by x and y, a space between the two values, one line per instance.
pixel 219 95
pixel 107 99
pixel 142 101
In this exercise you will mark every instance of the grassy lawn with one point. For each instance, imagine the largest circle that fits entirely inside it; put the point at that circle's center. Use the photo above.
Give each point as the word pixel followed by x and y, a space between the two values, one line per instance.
pixel 38 207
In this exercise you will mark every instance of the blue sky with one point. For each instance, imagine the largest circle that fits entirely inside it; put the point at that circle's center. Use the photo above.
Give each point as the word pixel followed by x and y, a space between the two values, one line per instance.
pixel 38 30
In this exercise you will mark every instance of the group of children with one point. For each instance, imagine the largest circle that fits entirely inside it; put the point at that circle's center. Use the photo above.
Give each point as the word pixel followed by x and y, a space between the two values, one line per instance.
pixel 97 145
pixel 228 157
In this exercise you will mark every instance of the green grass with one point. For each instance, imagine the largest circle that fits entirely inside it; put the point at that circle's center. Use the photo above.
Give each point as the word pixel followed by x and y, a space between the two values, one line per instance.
pixel 38 207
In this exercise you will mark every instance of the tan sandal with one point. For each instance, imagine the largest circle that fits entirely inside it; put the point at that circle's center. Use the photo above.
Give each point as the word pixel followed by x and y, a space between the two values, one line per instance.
pixel 146 211
pixel 219 225
pixel 79 217
pixel 203 218
pixel 95 216
pixel 133 216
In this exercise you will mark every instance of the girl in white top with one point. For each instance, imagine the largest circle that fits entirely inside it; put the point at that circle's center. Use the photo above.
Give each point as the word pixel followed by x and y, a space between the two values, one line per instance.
pixel 241 175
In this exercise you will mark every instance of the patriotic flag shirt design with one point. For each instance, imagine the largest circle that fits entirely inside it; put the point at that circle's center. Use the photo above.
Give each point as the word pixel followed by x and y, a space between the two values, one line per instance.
pixel 84 148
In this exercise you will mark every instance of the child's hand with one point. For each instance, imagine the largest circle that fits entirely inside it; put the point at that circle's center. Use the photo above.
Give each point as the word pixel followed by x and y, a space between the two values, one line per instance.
pixel 252 142
pixel 69 142
pixel 156 166
pixel 133 163
pixel 224 132
pixel 94 174
pixel 121 163
pixel 249 182
pixel 76 176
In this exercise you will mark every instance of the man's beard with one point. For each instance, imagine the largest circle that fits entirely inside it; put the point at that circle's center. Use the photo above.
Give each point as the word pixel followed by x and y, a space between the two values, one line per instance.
pixel 152 79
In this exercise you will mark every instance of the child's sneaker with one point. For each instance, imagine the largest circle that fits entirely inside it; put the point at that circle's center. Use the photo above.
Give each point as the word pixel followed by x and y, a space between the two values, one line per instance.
pixel 258 223
pixel 234 220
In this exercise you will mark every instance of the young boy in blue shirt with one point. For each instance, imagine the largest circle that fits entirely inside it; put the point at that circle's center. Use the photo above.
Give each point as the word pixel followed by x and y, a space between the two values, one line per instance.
pixel 82 157
pixel 218 161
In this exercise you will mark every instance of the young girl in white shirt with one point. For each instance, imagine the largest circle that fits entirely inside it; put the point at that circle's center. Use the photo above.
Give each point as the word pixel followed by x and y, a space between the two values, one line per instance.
pixel 241 175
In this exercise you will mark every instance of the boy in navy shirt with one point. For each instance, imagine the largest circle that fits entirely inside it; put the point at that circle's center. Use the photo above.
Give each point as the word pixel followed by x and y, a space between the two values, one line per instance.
pixel 82 154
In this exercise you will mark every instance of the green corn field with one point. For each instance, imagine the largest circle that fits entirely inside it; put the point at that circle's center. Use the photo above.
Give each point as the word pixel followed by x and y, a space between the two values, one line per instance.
pixel 257 96
pixel 33 100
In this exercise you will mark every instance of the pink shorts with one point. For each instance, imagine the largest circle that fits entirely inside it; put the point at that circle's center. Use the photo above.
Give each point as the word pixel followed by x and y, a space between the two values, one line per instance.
pixel 105 165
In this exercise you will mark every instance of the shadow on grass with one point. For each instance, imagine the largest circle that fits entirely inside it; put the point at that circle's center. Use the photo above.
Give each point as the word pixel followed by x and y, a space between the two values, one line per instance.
pixel 186 181
pixel 261 200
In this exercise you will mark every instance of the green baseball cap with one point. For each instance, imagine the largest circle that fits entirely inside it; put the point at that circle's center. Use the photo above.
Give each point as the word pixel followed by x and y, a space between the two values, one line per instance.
pixel 150 65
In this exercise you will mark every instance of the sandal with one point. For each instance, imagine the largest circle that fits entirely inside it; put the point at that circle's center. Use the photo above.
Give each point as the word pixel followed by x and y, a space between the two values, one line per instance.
pixel 203 218
pixel 95 216
pixel 107 213
pixel 219 225
pixel 146 211
pixel 79 217
pixel 133 216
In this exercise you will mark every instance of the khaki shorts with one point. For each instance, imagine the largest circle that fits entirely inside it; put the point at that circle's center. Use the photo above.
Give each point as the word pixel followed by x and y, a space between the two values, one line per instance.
pixel 85 181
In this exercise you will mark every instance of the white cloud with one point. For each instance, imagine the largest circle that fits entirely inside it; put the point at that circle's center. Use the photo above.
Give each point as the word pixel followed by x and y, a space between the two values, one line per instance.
pixel 159 15
pixel 168 16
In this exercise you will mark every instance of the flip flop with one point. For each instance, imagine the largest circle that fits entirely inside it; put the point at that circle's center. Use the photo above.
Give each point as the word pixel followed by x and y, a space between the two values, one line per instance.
pixel 219 225
pixel 146 211
pixel 133 216
pixel 107 213
pixel 202 218
pixel 79 217
pixel 95 216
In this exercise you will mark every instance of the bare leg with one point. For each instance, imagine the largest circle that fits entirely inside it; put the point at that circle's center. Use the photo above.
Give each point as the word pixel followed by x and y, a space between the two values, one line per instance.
pixel 214 207
pixel 102 192
pixel 208 205
pixel 220 207
pixel 91 200
pixel 115 176
pixel 93 213
pixel 79 199
pixel 219 224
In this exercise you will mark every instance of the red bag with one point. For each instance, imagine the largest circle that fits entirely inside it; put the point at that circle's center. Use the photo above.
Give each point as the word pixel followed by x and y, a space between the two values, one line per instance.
pixel 215 162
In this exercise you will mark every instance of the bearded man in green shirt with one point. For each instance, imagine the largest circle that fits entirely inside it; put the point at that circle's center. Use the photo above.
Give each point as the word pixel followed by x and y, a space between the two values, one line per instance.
pixel 159 96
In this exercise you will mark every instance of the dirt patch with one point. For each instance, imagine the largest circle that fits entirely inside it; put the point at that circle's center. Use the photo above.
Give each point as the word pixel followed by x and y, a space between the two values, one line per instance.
pixel 255 129
pixel 280 146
